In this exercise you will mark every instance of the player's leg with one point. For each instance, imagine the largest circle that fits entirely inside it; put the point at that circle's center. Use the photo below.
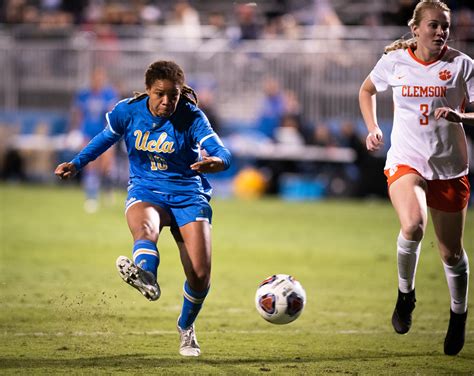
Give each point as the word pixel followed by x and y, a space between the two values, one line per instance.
pixel 91 186
pixel 408 197
pixel 449 229
pixel 145 221
pixel 194 243
pixel 106 166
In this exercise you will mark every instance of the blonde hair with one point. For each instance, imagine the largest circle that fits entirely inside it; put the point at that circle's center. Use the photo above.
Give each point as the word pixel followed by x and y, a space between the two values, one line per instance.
pixel 415 21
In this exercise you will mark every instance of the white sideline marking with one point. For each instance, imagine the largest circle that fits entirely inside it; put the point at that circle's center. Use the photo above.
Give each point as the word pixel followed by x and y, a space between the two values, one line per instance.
pixel 169 332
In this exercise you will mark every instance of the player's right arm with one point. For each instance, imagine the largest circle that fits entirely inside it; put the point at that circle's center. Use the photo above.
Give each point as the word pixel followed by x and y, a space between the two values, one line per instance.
pixel 367 105
pixel 97 146
pixel 65 170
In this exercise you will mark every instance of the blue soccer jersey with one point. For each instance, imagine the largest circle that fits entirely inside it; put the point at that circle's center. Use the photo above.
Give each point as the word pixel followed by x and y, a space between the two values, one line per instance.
pixel 160 150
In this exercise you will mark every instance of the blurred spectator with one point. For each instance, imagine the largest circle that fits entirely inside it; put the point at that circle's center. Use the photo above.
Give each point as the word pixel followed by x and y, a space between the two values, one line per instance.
pixel 112 14
pixel 76 8
pixel 130 17
pixel 291 28
pixel 184 23
pixel 280 26
pixel 50 5
pixel 273 28
pixel 289 131
pixel 292 103
pixel 272 108
pixel 87 120
pixel 218 23
pixel 55 24
pixel 12 166
pixel 318 13
pixel 371 20
pixel 31 15
pixel 150 14
pixel 13 11
pixel 248 24
pixel 324 13
pixel 464 29
pixel 322 136
pixel 400 13
pixel 207 105
pixel 365 174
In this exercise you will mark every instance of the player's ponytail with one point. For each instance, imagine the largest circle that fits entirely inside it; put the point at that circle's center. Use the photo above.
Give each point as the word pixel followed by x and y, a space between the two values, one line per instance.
pixel 137 96
pixel 401 43
pixel 189 94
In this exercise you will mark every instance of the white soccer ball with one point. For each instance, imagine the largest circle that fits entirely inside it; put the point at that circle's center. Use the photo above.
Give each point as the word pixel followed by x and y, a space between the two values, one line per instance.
pixel 280 299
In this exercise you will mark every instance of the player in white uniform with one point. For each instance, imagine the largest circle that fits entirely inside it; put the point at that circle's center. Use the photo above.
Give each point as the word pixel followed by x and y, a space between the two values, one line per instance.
pixel 427 162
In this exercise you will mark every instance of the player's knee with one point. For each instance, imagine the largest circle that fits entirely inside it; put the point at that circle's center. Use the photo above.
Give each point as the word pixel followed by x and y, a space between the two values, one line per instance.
pixel 200 279
pixel 146 230
pixel 451 254
pixel 413 230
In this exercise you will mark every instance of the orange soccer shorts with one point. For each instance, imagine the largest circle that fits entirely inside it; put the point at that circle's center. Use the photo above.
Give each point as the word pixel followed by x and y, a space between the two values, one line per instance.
pixel 450 195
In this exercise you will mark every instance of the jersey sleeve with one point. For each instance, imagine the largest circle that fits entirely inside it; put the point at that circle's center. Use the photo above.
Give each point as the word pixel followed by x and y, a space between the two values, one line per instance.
pixel 381 73
pixel 215 147
pixel 116 119
pixel 201 128
pixel 206 138
pixel 98 145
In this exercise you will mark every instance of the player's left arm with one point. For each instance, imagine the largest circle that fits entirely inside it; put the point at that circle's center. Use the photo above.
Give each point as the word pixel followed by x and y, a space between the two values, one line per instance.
pixel 454 116
pixel 467 118
pixel 218 159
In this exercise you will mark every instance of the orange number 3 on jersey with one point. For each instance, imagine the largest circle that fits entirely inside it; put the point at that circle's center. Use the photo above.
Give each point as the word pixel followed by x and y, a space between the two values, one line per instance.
pixel 424 108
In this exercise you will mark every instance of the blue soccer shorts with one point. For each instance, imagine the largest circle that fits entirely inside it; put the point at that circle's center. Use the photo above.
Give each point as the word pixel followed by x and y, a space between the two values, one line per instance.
pixel 182 209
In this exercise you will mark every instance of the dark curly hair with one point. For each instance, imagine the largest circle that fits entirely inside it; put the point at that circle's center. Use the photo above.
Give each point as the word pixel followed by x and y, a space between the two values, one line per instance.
pixel 167 70
pixel 164 70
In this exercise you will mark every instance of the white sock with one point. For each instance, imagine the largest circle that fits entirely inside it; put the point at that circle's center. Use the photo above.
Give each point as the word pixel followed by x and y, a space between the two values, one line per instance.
pixel 408 253
pixel 457 277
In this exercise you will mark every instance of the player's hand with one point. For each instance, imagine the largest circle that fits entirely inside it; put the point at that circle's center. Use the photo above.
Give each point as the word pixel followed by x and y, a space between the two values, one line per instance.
pixel 448 113
pixel 374 140
pixel 66 170
pixel 208 164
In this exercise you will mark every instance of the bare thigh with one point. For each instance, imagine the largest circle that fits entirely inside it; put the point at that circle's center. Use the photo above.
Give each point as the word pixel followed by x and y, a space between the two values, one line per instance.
pixel 408 196
pixel 194 243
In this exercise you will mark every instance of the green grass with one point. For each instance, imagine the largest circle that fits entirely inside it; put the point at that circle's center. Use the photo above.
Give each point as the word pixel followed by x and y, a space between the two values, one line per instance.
pixel 63 308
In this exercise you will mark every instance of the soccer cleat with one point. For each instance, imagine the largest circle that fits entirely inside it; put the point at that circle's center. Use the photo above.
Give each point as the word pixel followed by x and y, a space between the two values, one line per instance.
pixel 401 318
pixel 189 345
pixel 142 280
pixel 454 341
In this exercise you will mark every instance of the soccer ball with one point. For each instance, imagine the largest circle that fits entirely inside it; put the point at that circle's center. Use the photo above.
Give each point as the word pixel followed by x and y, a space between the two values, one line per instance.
pixel 280 299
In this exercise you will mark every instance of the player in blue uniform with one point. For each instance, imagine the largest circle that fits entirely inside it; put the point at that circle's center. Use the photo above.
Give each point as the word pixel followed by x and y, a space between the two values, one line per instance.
pixel 170 145
pixel 88 110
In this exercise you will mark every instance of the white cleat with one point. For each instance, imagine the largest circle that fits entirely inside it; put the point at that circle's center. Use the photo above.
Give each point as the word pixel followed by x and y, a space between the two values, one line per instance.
pixel 142 280
pixel 189 345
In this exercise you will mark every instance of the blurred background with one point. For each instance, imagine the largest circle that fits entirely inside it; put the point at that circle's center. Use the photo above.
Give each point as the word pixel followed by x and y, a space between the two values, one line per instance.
pixel 278 79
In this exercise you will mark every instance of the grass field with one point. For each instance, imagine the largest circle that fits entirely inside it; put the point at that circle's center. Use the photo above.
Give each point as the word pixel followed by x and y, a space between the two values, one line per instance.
pixel 64 310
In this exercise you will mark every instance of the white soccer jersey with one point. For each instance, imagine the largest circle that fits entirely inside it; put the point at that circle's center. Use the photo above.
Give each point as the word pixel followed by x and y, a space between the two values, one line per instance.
pixel 435 148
